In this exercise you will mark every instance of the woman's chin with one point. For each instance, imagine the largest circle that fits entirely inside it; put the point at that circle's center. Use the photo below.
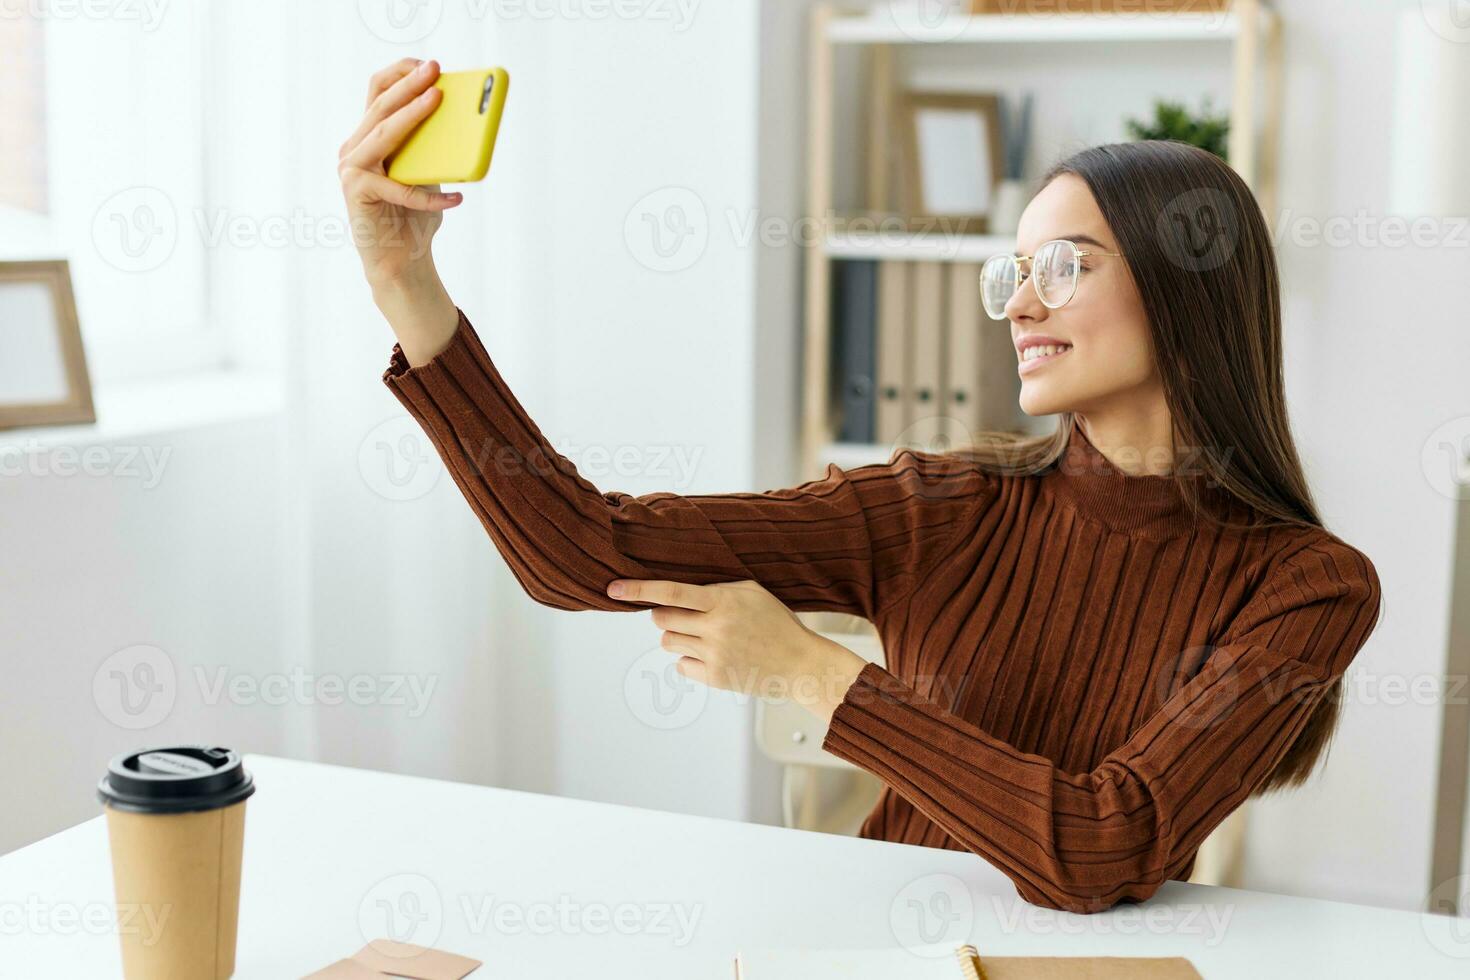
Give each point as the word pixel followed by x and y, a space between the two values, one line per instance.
pixel 1035 401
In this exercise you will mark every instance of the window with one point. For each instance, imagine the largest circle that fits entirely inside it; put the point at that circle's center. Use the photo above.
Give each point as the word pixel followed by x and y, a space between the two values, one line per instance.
pixel 102 164
pixel 22 111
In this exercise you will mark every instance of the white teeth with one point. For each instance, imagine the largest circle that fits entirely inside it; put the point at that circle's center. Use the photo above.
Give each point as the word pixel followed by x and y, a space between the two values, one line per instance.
pixel 1042 350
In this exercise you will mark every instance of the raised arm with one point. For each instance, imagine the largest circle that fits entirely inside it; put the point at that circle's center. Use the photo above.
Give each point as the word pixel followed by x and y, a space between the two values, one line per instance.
pixel 1084 841
pixel 849 542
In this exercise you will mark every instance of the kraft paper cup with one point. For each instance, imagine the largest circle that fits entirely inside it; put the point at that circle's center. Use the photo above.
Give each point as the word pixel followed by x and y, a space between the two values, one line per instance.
pixel 176 828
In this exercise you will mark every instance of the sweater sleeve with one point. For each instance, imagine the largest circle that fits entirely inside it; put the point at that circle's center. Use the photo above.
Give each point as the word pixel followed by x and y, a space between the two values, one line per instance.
pixel 1083 841
pixel 849 542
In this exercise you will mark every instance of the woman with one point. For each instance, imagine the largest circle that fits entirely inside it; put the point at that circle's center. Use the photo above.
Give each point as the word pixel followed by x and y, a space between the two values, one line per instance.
pixel 1099 642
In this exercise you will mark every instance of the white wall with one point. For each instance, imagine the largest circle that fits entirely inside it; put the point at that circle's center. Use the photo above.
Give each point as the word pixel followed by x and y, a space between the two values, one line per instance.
pixel 169 541
pixel 1364 405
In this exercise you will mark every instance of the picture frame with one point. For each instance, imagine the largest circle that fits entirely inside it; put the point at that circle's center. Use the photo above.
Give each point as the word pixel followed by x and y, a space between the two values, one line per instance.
pixel 953 157
pixel 43 375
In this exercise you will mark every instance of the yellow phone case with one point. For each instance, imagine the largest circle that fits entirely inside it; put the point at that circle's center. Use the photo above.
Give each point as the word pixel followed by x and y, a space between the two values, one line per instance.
pixel 455 143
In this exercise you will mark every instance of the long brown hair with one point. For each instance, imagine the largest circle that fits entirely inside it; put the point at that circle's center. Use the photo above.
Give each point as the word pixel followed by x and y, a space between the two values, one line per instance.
pixel 1198 248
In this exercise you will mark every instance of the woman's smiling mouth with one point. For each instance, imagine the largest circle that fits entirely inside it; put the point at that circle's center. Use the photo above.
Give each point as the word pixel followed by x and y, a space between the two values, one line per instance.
pixel 1036 351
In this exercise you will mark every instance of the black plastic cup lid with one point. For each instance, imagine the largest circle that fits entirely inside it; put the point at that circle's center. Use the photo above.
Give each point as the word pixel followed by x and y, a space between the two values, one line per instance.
pixel 178 779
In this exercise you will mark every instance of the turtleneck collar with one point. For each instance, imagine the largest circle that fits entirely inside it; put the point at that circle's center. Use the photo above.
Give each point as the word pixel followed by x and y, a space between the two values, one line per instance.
pixel 1085 480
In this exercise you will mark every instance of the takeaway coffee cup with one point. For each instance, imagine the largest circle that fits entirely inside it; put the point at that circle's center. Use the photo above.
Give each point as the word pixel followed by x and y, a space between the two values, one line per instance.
pixel 176 827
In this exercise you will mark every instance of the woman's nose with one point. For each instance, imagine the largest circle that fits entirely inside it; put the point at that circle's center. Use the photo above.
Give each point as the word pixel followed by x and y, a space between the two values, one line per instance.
pixel 1025 304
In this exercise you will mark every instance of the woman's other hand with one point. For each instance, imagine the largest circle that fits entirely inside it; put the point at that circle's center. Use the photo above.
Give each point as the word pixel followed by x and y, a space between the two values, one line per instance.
pixel 737 636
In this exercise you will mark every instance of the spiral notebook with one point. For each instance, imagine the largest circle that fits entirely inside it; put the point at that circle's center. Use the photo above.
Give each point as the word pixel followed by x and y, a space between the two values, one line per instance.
pixel 951 963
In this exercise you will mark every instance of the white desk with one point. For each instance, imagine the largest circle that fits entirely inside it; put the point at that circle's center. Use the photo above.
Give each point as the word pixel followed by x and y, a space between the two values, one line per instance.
pixel 327 846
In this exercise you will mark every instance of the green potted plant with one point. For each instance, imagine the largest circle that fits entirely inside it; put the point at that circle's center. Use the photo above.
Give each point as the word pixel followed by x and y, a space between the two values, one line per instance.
pixel 1173 121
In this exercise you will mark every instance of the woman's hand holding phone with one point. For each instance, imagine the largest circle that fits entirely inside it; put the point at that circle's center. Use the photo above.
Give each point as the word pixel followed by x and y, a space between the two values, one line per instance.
pixel 393 224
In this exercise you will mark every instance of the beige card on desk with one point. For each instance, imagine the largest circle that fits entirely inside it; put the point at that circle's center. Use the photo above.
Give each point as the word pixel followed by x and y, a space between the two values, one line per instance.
pixel 385 958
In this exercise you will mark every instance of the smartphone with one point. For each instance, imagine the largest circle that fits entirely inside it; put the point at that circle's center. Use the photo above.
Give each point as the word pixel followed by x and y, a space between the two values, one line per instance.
pixel 454 144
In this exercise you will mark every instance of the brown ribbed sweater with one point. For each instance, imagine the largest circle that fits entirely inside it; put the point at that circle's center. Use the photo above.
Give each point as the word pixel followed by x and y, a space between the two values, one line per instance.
pixel 1082 679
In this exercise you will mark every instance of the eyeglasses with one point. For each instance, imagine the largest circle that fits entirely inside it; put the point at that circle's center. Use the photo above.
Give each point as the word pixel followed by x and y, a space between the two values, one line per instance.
pixel 1053 270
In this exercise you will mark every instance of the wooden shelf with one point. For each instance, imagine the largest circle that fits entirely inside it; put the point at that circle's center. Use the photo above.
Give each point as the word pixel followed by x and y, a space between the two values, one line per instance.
pixel 917 246
pixel 1251 31
pixel 891 27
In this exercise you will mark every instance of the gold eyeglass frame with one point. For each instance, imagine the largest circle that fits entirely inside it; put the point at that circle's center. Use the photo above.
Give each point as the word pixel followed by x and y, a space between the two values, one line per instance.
pixel 1021 278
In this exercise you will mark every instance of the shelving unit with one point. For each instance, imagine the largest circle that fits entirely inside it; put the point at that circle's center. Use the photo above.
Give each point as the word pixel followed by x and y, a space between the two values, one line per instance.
pixel 888 26
pixel 1252 29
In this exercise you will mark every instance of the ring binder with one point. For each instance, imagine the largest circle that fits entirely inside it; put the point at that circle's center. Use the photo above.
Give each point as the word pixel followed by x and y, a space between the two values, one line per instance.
pixel 970 966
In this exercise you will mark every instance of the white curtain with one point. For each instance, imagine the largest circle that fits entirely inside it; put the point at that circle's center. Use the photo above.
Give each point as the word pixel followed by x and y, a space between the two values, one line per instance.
pixel 393 586
pixel 392 581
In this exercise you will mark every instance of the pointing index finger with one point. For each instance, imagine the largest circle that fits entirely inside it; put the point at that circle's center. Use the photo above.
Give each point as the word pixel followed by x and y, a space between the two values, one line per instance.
pixel 662 593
